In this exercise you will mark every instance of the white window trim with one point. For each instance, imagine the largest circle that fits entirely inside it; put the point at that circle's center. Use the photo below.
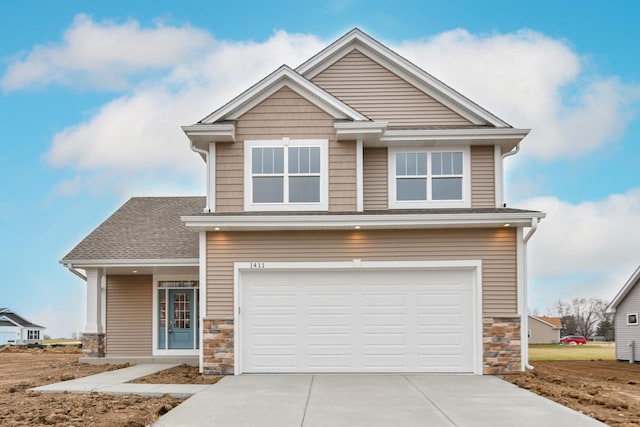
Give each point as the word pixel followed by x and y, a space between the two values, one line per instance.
pixel 161 352
pixel 637 320
pixel 419 204
pixel 323 205
pixel 357 264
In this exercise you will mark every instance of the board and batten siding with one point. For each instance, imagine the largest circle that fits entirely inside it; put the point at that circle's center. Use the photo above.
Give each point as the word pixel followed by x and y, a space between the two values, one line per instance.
pixel 495 247
pixel 129 330
pixel 285 114
pixel 374 179
pixel 382 95
pixel 483 181
pixel 627 333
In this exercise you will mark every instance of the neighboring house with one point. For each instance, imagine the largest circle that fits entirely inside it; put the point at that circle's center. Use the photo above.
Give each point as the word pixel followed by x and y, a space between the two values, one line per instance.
pixel 626 307
pixel 17 330
pixel 544 330
pixel 353 221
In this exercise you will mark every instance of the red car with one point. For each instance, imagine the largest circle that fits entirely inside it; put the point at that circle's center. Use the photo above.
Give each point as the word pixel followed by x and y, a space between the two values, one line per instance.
pixel 573 340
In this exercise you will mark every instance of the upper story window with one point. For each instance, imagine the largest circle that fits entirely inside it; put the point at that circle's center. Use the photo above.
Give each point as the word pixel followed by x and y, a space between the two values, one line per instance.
pixel 286 174
pixel 424 178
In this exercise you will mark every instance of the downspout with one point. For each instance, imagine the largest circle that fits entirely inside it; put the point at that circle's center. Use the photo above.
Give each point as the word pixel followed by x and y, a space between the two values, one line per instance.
pixel 525 315
pixel 504 156
pixel 72 269
pixel 205 153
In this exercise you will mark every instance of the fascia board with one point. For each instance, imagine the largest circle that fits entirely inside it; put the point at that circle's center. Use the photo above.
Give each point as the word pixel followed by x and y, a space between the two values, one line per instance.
pixel 270 84
pixel 620 296
pixel 178 262
pixel 12 321
pixel 320 222
pixel 403 67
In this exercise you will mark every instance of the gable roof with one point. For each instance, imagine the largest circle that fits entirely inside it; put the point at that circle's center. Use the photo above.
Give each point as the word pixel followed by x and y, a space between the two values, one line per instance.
pixel 144 228
pixel 7 315
pixel 357 39
pixel 621 295
pixel 554 322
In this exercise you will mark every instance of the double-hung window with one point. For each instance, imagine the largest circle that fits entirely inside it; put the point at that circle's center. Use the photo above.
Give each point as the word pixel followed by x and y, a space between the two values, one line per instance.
pixel 33 334
pixel 422 178
pixel 286 175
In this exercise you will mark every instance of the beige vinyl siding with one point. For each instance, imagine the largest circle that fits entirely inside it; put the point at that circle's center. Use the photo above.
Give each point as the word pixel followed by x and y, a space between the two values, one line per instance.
pixel 129 315
pixel 542 333
pixel 495 247
pixel 381 95
pixel 285 114
pixel 374 176
pixel 483 182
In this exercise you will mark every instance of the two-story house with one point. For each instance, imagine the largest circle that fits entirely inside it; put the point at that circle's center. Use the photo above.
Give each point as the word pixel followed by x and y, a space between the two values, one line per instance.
pixel 353 221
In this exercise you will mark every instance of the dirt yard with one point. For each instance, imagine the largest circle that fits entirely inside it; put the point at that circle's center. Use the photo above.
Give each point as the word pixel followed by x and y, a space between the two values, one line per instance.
pixel 607 390
pixel 21 370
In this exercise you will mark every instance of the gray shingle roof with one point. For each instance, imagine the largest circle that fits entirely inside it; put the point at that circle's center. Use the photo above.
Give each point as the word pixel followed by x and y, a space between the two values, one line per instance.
pixel 18 319
pixel 143 228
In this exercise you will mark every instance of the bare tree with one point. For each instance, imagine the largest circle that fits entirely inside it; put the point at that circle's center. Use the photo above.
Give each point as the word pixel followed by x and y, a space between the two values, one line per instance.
pixel 580 315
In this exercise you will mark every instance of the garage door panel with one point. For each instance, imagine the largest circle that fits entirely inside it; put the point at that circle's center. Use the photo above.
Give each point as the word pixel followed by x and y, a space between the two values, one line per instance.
pixel 357 321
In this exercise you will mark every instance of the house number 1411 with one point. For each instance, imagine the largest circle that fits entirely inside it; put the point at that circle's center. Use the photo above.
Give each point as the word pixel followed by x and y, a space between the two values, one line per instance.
pixel 256 265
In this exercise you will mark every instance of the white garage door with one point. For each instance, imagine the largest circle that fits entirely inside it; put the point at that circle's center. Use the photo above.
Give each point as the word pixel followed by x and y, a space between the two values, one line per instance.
pixel 356 321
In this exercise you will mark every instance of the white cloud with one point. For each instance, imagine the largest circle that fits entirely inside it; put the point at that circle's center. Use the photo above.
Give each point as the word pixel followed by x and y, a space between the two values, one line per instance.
pixel 62 323
pixel 531 81
pixel 105 54
pixel 583 250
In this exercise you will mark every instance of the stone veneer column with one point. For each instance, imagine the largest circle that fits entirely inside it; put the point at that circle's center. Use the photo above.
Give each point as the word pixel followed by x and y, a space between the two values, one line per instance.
pixel 93 345
pixel 218 347
pixel 501 345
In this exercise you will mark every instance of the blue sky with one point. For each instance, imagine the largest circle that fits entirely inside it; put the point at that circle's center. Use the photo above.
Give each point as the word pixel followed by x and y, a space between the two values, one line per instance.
pixel 92 95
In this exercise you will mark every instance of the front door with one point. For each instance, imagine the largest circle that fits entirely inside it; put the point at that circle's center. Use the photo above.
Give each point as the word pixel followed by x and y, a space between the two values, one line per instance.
pixel 177 326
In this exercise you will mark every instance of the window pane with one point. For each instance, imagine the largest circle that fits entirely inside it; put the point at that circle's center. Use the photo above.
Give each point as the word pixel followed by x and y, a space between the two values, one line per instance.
pixel 411 189
pixel 268 190
pixel 457 163
pixel 304 189
pixel 401 164
pixel 446 164
pixel 447 188
pixel 267 160
pixel 278 160
pixel 422 163
pixel 256 160
pixel 294 164
pixel 314 159
pixel 304 159
pixel 411 164
pixel 436 164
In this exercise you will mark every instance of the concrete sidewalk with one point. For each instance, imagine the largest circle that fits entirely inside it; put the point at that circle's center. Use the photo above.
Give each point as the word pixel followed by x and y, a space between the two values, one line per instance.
pixel 115 382
pixel 371 401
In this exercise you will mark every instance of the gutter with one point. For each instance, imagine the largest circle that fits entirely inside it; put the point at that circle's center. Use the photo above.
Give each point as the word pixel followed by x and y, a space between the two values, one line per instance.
pixel 72 269
pixel 525 316
pixel 205 154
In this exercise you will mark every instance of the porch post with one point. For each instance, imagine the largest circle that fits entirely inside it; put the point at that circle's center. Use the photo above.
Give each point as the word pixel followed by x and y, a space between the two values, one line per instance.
pixel 93 336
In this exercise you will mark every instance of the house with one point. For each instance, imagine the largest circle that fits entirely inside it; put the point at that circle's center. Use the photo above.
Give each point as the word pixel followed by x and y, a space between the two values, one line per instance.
pixel 625 307
pixel 17 330
pixel 353 221
pixel 544 330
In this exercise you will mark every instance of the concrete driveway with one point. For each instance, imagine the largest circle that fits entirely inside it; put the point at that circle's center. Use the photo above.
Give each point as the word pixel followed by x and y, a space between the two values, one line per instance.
pixel 369 400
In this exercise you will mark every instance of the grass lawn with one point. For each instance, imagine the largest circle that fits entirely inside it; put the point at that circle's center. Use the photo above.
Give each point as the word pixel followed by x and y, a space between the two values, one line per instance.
pixel 572 352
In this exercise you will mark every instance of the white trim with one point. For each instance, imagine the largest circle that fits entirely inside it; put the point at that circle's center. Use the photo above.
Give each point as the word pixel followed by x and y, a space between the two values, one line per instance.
pixel 202 278
pixel 155 351
pixel 284 76
pixel 88 263
pixel 239 267
pixel 403 68
pixel 359 176
pixel 498 177
pixel 211 177
pixel 425 204
pixel 367 131
pixel 620 296
pixel 521 289
pixel 323 205
pixel 632 314
pixel 374 222
pixel 93 324
pixel 205 133
pixel 477 136
pixel 103 301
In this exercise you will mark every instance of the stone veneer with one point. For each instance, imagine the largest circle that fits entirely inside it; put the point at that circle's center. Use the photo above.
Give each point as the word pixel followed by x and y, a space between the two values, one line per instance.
pixel 218 347
pixel 501 345
pixel 93 345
